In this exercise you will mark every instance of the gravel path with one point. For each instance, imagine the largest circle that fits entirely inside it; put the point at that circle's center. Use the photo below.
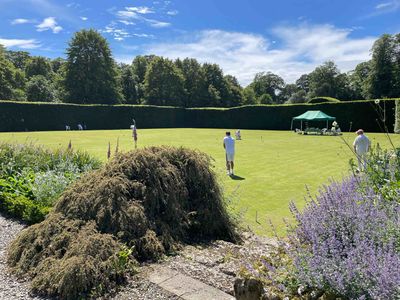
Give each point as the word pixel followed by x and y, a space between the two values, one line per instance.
pixel 215 264
pixel 10 286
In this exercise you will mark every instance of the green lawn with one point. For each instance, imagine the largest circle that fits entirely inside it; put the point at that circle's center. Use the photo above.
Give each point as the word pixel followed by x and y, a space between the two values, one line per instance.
pixel 275 166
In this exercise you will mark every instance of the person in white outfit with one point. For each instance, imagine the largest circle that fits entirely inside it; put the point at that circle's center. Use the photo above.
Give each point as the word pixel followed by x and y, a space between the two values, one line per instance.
pixel 361 147
pixel 238 135
pixel 229 146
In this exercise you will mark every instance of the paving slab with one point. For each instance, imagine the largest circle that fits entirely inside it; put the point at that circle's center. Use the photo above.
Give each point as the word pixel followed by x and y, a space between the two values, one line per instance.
pixel 186 287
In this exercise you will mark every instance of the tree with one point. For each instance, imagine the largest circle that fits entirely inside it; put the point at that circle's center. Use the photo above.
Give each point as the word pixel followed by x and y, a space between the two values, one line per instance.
pixel 57 63
pixel 38 65
pixel 303 83
pixel 7 73
pixel 129 85
pixel 140 64
pixel 326 80
pixel 267 84
pixel 396 69
pixel 139 67
pixel 58 81
pixel 19 79
pixel 380 79
pixel 216 86
pixel 265 99
pixel 194 82
pixel 214 96
pixel 249 97
pixel 298 97
pixel 164 83
pixel 39 89
pixel 358 80
pixel 91 75
pixel 18 58
pixel 235 91
pixel 18 95
pixel 287 91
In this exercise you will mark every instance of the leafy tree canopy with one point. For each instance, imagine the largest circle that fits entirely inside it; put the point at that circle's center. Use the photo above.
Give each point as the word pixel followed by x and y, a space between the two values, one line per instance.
pixel 91 75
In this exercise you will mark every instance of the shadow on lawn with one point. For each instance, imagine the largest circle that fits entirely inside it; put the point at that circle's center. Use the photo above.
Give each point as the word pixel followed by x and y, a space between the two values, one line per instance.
pixel 235 177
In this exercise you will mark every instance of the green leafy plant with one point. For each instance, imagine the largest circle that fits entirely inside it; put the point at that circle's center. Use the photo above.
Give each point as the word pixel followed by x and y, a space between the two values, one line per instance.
pixel 32 178
pixel 126 260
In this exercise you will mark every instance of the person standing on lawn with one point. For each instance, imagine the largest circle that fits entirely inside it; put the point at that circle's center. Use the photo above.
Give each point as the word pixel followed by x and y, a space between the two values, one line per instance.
pixel 229 146
pixel 134 132
pixel 361 146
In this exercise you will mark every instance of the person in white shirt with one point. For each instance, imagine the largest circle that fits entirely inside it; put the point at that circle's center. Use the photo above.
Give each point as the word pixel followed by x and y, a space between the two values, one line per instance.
pixel 229 146
pixel 134 134
pixel 238 135
pixel 361 147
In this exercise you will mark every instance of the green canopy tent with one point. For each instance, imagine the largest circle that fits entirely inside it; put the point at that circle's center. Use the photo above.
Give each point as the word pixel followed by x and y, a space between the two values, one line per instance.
pixel 313 115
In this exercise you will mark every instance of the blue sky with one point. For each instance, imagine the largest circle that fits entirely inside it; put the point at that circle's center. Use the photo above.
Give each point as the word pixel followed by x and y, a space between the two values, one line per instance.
pixel 288 38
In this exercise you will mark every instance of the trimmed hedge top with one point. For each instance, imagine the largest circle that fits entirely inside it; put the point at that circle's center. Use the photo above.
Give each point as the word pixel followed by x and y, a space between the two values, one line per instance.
pixel 323 100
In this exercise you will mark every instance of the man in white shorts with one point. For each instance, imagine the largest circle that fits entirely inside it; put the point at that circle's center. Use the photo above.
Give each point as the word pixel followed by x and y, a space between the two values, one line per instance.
pixel 361 147
pixel 229 146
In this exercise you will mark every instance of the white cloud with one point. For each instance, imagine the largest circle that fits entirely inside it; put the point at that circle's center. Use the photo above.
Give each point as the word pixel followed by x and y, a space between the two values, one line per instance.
pixel 172 12
pixel 137 13
pixel 157 24
pixel 73 5
pixel 23 44
pixel 325 42
pixel 388 6
pixel 383 8
pixel 54 8
pixel 300 50
pixel 84 18
pixel 49 23
pixel 126 22
pixel 143 35
pixel 116 33
pixel 382 5
pixel 120 34
pixel 21 21
pixel 140 9
pixel 126 14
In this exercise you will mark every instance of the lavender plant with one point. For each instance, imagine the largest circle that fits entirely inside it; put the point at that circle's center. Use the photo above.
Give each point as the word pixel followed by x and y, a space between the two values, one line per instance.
pixel 347 242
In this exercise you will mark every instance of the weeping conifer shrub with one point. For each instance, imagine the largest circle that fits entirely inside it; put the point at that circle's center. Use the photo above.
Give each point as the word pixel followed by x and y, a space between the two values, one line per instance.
pixel 150 200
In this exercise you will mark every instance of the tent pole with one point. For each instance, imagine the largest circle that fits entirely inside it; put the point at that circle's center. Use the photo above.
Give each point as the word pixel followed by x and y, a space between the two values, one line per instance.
pixel 327 124
pixel 291 125
pixel 301 125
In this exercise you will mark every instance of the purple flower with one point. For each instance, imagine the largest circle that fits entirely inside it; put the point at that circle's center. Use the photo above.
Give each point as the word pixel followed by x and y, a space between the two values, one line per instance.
pixel 347 241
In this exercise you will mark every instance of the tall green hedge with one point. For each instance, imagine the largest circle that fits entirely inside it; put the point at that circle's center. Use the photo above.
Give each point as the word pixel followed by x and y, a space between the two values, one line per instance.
pixel 22 116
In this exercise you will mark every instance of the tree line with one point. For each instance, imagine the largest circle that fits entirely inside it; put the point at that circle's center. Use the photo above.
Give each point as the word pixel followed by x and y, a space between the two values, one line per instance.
pixel 89 75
